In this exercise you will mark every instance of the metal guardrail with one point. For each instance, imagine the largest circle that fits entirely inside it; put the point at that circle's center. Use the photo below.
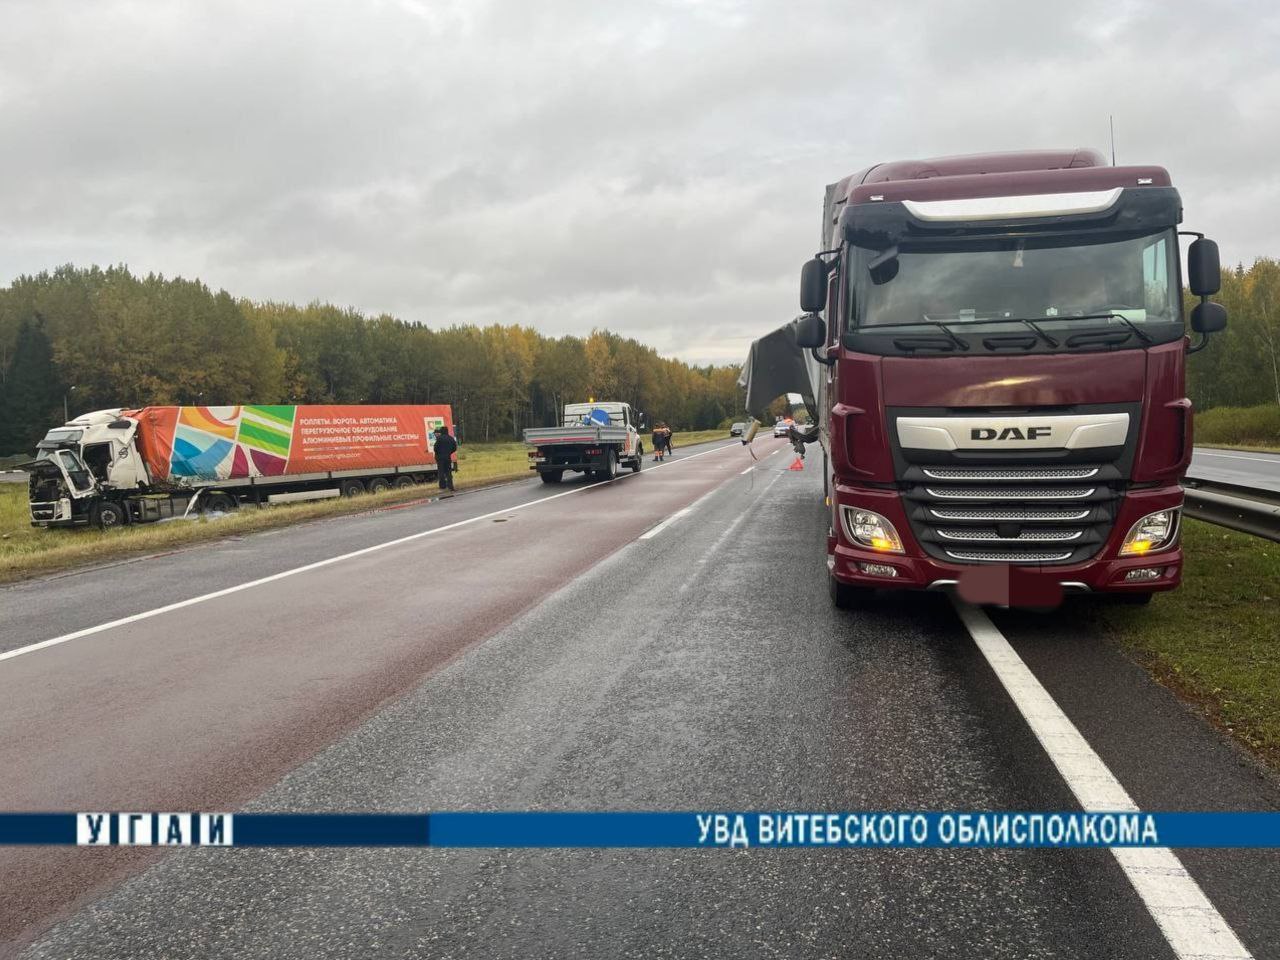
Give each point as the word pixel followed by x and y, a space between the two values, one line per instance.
pixel 1255 512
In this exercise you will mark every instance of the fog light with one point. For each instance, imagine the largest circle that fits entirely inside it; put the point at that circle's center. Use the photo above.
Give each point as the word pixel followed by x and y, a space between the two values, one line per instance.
pixel 1152 532
pixel 878 569
pixel 1143 573
pixel 871 530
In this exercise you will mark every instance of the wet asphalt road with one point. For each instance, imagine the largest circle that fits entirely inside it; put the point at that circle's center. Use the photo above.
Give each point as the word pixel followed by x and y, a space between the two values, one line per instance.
pixel 565 663
pixel 1245 468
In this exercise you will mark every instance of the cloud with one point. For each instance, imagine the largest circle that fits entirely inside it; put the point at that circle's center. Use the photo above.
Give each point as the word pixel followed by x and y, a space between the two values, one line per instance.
pixel 656 168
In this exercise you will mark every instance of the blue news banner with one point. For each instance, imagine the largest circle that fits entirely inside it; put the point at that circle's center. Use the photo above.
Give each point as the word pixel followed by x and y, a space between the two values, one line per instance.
pixel 691 829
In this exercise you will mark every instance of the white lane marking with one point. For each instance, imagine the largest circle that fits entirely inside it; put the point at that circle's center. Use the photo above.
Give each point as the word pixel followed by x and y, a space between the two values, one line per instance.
pixel 169 608
pixel 1189 921
pixel 748 470
pixel 654 531
pixel 1233 456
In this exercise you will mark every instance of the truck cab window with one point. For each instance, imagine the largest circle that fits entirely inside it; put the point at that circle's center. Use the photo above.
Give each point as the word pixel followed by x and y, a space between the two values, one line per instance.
pixel 76 471
pixel 1155 276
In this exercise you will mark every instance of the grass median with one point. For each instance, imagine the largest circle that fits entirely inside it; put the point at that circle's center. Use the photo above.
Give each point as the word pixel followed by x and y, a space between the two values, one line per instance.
pixel 1216 641
pixel 27 551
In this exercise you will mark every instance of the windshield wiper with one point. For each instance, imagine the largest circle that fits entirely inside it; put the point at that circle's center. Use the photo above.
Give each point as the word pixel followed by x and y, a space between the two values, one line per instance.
pixel 1141 335
pixel 947 331
pixel 1027 321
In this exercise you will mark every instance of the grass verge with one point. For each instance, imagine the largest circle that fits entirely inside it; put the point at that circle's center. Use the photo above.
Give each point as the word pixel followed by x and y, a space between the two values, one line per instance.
pixel 1246 426
pixel 1216 641
pixel 27 551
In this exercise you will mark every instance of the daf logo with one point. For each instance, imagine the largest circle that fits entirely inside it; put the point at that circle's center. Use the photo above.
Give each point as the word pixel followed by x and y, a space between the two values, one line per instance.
pixel 1009 433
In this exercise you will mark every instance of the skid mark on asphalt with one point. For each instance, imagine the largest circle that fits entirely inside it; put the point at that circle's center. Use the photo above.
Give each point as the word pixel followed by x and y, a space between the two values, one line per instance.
pixel 1190 923
pixel 329 561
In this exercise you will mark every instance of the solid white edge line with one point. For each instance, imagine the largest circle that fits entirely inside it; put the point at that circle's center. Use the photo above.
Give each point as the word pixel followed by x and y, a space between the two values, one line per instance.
pixel 169 608
pixel 654 531
pixel 1188 920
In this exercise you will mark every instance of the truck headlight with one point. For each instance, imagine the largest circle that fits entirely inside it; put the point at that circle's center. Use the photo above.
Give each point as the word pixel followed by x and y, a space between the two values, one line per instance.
pixel 1152 532
pixel 871 530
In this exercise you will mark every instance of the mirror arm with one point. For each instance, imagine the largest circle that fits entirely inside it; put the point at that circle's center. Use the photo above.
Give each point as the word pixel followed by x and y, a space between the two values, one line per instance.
pixel 1196 346
pixel 824 359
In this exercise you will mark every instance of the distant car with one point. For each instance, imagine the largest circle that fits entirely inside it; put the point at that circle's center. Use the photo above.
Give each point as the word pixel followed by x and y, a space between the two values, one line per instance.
pixel 782 428
pixel 737 430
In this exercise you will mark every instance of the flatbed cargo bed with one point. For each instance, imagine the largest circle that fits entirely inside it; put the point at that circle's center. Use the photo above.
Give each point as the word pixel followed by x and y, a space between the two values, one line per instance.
pixel 580 433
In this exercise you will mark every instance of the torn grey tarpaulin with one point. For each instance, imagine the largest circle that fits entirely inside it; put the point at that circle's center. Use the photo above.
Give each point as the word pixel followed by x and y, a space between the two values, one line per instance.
pixel 777 365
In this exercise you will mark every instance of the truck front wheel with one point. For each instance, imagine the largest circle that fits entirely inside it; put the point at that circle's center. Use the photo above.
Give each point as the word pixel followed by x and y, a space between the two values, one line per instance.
pixel 847 596
pixel 107 515
pixel 552 476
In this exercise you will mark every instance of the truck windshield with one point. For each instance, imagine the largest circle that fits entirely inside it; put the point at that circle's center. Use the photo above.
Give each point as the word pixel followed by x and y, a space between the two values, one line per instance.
pixel 59 436
pixel 1046 280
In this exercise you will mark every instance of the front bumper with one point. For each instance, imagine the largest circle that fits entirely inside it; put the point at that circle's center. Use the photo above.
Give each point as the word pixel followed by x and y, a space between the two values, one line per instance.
pixel 52 513
pixel 1032 583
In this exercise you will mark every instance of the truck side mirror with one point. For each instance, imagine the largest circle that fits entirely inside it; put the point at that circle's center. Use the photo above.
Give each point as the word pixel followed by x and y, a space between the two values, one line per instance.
pixel 1204 272
pixel 1208 317
pixel 811 332
pixel 813 286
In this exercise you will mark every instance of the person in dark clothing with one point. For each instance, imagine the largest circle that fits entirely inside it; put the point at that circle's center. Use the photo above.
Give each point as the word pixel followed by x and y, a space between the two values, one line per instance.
pixel 445 447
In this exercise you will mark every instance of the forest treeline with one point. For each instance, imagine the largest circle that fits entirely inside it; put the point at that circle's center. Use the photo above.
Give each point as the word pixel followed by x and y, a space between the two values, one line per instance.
pixel 98 338
pixel 1241 366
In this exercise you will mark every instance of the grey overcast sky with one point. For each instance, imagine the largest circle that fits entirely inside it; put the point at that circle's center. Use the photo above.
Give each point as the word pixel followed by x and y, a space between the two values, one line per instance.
pixel 656 168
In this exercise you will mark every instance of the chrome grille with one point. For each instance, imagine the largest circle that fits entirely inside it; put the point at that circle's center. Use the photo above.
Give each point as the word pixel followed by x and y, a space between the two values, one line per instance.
pixel 1028 513
pixel 1011 493
pixel 987 474
pixel 991 514
pixel 1006 556
pixel 978 533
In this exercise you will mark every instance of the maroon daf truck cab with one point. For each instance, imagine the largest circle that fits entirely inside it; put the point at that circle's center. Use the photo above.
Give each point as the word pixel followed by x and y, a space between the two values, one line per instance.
pixel 999 344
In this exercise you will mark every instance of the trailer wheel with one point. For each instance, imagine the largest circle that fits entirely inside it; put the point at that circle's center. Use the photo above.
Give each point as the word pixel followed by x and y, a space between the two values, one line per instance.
pixel 107 515
pixel 552 476
pixel 219 503
pixel 379 485
pixel 847 596
pixel 401 482
pixel 351 487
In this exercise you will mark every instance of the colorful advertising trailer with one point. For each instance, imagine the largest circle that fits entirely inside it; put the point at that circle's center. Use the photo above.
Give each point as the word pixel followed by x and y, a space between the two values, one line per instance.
pixel 122 466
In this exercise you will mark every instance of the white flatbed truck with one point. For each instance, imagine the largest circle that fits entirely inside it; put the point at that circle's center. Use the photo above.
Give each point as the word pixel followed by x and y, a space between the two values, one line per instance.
pixel 594 438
